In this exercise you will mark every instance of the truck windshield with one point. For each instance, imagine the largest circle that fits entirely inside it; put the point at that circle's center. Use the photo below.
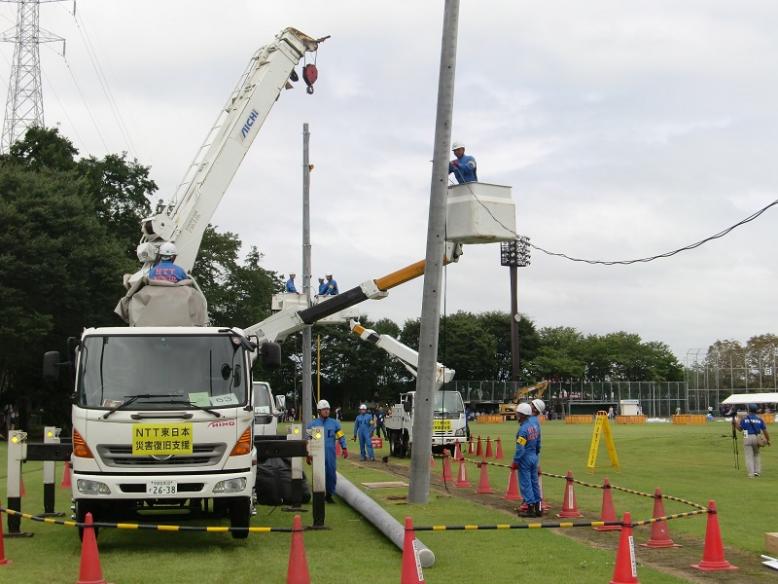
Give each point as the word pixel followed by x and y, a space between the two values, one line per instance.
pixel 448 402
pixel 206 370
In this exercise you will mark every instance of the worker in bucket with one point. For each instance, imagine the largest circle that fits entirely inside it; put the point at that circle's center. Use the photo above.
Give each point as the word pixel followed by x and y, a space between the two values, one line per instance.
pixel 322 287
pixel 290 287
pixel 332 286
pixel 363 429
pixel 463 166
pixel 755 435
pixel 332 433
pixel 166 269
pixel 525 460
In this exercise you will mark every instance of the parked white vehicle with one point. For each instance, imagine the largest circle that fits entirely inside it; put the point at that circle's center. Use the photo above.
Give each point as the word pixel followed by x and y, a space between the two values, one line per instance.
pixel 267 409
pixel 448 425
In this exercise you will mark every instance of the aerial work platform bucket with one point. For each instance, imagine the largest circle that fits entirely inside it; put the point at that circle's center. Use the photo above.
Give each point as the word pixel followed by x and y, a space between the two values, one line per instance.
pixel 480 213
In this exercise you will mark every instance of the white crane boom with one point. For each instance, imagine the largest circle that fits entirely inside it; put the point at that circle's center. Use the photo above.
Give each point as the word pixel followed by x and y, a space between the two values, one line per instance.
pixel 184 218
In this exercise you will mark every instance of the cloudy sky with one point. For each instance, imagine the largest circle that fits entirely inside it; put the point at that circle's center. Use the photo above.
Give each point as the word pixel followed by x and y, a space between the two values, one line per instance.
pixel 625 130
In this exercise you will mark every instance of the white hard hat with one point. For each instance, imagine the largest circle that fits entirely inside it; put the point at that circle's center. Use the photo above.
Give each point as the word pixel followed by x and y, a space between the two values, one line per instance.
pixel 539 405
pixel 323 405
pixel 457 145
pixel 362 407
pixel 524 408
pixel 168 249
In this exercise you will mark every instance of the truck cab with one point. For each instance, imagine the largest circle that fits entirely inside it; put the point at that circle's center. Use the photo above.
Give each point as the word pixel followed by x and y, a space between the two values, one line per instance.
pixel 449 425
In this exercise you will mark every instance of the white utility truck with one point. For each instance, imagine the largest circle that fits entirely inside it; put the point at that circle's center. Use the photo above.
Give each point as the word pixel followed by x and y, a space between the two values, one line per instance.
pixel 449 424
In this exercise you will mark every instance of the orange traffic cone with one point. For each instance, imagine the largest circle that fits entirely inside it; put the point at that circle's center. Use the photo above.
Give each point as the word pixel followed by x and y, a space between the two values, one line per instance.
pixel 89 571
pixel 498 454
pixel 297 571
pixel 458 453
pixel 447 477
pixel 470 446
pixel 713 553
pixel 489 453
pixel 66 484
pixel 483 484
pixel 543 505
pixel 660 533
pixel 411 569
pixel 608 512
pixel 626 569
pixel 479 451
pixel 3 560
pixel 512 492
pixel 569 504
pixel 462 481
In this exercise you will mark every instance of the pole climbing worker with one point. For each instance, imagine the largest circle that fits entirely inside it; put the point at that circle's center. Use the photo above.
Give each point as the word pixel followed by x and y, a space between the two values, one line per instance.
pixel 290 287
pixel 363 429
pixel 525 460
pixel 332 286
pixel 322 287
pixel 332 433
pixel 463 166
pixel 166 269
pixel 753 427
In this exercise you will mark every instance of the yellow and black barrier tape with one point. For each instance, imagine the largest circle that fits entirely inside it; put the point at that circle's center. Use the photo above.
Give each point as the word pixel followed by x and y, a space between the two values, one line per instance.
pixel 146 526
pixel 669 517
pixel 544 525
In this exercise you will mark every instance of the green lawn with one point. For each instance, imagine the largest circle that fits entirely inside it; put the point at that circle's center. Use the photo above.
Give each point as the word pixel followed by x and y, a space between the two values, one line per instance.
pixel 690 462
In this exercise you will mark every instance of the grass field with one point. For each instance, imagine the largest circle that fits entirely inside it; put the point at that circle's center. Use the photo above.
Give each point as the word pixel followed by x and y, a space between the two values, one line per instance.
pixel 693 462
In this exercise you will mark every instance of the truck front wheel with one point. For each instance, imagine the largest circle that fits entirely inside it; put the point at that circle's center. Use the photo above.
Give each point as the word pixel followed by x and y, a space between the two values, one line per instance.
pixel 240 516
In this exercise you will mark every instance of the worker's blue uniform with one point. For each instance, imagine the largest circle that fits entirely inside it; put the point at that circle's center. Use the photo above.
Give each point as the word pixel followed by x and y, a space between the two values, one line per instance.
pixel 535 481
pixel 168 271
pixel 464 169
pixel 332 433
pixel 290 287
pixel 526 458
pixel 323 288
pixel 332 288
pixel 363 429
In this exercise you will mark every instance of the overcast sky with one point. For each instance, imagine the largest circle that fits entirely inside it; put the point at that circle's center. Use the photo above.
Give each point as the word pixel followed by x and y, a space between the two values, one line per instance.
pixel 625 129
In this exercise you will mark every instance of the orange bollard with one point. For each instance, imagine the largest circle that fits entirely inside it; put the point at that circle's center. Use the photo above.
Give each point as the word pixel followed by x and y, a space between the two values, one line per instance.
pixel 626 569
pixel 462 481
pixel 569 504
pixel 483 484
pixel 498 454
pixel 512 492
pixel 713 554
pixel 447 478
pixel 489 453
pixel 3 560
pixel 660 534
pixel 458 452
pixel 297 570
pixel 411 568
pixel 90 572
pixel 470 446
pixel 66 484
pixel 479 451
pixel 608 512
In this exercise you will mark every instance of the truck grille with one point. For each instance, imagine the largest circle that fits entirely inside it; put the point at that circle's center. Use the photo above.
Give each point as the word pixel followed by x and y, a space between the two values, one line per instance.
pixel 121 455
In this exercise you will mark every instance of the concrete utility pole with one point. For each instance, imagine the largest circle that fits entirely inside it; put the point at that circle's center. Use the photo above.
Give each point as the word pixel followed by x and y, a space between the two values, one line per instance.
pixel 419 483
pixel 307 406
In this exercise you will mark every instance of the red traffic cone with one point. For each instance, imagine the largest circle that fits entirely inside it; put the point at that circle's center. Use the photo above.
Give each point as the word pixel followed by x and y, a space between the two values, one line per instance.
pixel 89 571
pixel 297 571
pixel 512 492
pixel 569 504
pixel 483 484
pixel 462 481
pixel 66 484
pixel 489 453
pixel 660 533
pixel 713 553
pixel 608 512
pixel 543 505
pixel 411 569
pixel 447 477
pixel 470 446
pixel 479 451
pixel 338 449
pixel 498 454
pixel 626 569
pixel 458 452
pixel 22 490
pixel 3 560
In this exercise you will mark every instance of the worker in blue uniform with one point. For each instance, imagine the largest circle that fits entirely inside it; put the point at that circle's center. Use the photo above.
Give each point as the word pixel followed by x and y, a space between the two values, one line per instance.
pixel 363 429
pixel 538 409
pixel 290 287
pixel 525 460
pixel 463 166
pixel 332 286
pixel 752 427
pixel 322 287
pixel 166 269
pixel 332 433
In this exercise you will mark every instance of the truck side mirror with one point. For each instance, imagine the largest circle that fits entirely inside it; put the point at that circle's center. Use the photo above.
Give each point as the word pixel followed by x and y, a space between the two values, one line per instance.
pixel 407 407
pixel 51 361
pixel 271 355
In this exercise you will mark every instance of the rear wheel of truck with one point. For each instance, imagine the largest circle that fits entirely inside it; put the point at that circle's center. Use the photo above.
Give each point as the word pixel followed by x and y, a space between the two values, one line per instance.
pixel 240 516
pixel 82 508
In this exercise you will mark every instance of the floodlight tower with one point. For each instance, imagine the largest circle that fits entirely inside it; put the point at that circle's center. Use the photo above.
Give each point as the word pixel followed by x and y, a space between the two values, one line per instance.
pixel 24 106
pixel 515 254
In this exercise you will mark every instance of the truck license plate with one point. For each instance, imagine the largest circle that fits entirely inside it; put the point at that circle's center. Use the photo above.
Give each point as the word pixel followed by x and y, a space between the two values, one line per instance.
pixel 441 425
pixel 161 487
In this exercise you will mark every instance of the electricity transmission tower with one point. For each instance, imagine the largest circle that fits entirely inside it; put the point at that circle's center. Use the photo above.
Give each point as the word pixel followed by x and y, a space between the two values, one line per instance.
pixel 24 105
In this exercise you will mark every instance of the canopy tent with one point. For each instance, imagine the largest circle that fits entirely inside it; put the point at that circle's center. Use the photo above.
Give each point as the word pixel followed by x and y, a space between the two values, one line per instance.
pixel 751 398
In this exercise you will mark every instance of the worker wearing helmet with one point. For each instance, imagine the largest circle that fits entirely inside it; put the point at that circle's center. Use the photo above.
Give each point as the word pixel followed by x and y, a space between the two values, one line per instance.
pixel 322 287
pixel 525 460
pixel 332 433
pixel 755 435
pixel 290 287
pixel 363 429
pixel 463 166
pixel 166 269
pixel 332 286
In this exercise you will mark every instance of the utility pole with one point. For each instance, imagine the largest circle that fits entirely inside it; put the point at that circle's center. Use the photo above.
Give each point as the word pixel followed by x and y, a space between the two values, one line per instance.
pixel 419 483
pixel 307 406
pixel 515 254
pixel 24 105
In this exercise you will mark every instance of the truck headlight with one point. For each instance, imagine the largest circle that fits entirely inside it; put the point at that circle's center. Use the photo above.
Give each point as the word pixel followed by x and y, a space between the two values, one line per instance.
pixel 460 432
pixel 87 487
pixel 230 486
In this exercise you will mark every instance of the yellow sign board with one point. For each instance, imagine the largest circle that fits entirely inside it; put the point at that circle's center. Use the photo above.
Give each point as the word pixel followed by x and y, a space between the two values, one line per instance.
pixel 602 427
pixel 441 425
pixel 161 439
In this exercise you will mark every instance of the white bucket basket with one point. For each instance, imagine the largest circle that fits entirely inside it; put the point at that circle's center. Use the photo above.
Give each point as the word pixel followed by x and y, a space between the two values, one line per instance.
pixel 480 213
pixel 296 302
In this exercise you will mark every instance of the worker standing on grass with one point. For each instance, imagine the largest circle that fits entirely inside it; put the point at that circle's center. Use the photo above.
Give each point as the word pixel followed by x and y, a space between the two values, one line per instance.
pixel 332 433
pixel 538 410
pixel 167 269
pixel 363 429
pixel 463 166
pixel 755 436
pixel 525 460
